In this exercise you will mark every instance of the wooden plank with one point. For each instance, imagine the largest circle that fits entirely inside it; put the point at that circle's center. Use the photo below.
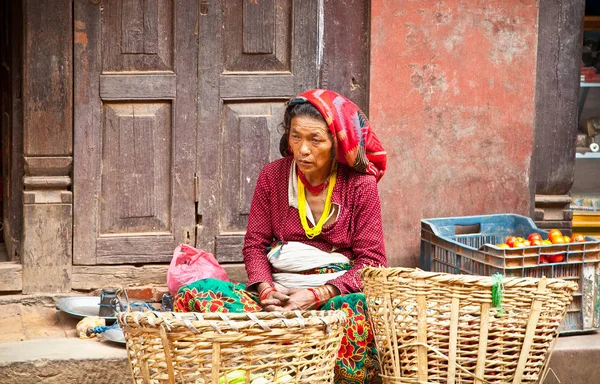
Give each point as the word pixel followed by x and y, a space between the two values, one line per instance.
pixel 557 94
pixel 345 63
pixel 186 123
pixel 229 248
pixel 47 247
pixel 254 133
pixel 209 124
pixel 145 86
pixel 257 86
pixel 138 25
pixel 306 41
pixel 48 166
pixel 136 168
pixel 258 26
pixel 132 29
pixel 94 277
pixel 239 35
pixel 151 26
pixel 116 250
pixel 87 115
pixel 11 277
pixel 48 88
pixel 47 182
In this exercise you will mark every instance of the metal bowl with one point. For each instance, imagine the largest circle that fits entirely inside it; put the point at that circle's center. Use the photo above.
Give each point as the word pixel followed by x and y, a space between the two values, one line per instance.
pixel 82 306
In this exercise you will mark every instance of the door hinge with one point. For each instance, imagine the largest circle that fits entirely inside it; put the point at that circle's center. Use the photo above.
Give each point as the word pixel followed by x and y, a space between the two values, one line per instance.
pixel 196 188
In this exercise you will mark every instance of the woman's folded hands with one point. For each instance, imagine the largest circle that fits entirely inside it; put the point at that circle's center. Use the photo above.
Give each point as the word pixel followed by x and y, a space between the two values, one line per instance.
pixel 302 299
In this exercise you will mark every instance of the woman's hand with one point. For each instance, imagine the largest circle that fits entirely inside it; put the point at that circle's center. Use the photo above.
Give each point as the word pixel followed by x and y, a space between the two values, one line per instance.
pixel 301 300
pixel 275 301
pixel 311 297
pixel 271 299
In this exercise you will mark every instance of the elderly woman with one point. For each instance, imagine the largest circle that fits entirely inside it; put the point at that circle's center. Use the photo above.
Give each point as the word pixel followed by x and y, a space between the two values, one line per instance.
pixel 314 223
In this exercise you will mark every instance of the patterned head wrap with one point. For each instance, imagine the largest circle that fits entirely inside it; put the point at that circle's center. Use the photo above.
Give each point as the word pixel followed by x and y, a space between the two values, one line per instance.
pixel 356 143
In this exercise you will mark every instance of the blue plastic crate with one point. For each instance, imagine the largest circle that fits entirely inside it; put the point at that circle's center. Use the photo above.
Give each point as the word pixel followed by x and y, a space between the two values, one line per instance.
pixel 466 245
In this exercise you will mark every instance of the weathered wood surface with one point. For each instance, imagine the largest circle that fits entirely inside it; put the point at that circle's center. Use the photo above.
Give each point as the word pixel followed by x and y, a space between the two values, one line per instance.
pixel 243 100
pixel 233 87
pixel 140 86
pixel 11 120
pixel 346 51
pixel 557 93
pixel 135 123
pixel 11 277
pixel 48 166
pixel 47 247
pixel 47 78
pixel 47 99
pixel 94 277
pixel 229 248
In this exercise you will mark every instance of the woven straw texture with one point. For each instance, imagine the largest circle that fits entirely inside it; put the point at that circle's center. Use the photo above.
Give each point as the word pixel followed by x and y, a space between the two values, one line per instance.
pixel 442 328
pixel 294 347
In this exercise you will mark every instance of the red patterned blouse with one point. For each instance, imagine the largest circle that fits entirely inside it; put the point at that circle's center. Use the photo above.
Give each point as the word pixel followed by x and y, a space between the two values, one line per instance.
pixel 357 233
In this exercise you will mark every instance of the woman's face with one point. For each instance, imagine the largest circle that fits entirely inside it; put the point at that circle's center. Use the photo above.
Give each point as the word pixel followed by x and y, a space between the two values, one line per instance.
pixel 311 145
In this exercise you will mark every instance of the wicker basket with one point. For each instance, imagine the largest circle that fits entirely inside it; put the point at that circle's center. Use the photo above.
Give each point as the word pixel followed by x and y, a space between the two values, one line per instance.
pixel 442 328
pixel 200 348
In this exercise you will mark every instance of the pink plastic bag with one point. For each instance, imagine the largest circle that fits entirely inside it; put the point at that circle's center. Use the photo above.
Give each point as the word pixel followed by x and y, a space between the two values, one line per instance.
pixel 190 264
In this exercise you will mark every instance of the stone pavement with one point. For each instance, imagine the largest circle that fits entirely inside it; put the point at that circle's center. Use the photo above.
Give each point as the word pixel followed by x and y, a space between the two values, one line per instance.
pixel 63 361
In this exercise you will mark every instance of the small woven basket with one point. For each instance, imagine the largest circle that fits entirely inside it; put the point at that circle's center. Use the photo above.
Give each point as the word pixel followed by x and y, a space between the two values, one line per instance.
pixel 262 347
pixel 442 328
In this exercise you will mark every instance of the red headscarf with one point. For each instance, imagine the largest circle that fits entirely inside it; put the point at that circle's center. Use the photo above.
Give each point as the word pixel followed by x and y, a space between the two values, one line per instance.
pixel 356 143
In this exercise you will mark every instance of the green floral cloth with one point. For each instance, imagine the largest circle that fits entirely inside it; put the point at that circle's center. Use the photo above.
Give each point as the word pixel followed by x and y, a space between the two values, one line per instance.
pixel 356 357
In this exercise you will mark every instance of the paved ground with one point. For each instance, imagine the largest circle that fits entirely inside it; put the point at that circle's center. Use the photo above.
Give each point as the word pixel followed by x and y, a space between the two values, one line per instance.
pixel 31 318
pixel 63 361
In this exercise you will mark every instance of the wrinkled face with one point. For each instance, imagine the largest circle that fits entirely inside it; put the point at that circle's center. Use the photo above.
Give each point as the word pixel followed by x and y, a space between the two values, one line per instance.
pixel 311 144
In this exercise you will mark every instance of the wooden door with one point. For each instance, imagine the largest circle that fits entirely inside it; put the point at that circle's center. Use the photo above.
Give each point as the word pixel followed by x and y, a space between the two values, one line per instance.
pixel 135 69
pixel 11 118
pixel 254 56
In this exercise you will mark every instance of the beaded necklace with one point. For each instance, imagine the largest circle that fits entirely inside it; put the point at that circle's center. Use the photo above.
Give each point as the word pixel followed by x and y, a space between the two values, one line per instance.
pixel 313 190
pixel 316 230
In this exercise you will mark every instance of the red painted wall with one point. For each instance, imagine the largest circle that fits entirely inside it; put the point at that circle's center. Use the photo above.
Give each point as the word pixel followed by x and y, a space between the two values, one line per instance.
pixel 452 100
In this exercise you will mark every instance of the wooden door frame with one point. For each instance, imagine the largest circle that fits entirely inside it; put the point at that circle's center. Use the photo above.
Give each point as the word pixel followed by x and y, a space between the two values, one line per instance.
pixel 560 32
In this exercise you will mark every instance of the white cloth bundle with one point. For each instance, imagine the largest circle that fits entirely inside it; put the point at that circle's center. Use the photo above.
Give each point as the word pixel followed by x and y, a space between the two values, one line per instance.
pixel 295 257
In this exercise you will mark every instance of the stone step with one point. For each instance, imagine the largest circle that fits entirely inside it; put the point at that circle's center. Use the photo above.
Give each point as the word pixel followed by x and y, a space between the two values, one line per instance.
pixel 63 361
pixel 74 361
pixel 575 360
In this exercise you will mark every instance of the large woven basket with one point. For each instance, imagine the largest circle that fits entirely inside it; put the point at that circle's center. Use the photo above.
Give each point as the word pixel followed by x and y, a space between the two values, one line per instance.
pixel 201 348
pixel 441 328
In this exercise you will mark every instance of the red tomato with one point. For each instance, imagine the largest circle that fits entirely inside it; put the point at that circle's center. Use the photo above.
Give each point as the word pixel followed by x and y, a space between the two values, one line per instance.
pixel 554 232
pixel 534 236
pixel 511 240
pixel 543 259
pixel 556 258
pixel 578 238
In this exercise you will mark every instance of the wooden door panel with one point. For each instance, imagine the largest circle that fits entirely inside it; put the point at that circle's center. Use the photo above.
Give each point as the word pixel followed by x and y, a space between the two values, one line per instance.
pixel 257 36
pixel 143 39
pixel 250 140
pixel 136 168
pixel 135 131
